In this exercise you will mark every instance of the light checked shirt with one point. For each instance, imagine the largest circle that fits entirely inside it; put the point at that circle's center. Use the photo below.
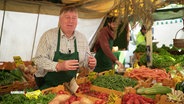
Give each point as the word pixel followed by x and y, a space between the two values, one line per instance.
pixel 47 47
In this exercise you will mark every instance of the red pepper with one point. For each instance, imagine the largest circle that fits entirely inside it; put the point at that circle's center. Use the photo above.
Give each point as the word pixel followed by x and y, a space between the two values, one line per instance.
pixel 126 97
pixel 142 101
pixel 136 101
pixel 131 100
pixel 149 100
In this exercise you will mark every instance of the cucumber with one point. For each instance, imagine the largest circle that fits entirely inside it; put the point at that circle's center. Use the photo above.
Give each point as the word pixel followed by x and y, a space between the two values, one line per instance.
pixel 154 90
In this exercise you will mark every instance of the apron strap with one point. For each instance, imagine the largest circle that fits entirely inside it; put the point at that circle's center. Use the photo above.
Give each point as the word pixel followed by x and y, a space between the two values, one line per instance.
pixel 58 42
pixel 75 45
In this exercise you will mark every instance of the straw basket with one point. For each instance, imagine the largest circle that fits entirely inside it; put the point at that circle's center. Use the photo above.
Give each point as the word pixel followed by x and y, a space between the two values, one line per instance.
pixel 179 43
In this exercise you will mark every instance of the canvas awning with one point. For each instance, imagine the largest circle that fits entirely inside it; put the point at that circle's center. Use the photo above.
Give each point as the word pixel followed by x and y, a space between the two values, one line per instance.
pixel 87 8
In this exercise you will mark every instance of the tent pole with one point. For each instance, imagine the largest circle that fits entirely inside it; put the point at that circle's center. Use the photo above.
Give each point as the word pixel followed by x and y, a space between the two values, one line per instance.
pixel 35 30
pixel 4 7
pixel 93 40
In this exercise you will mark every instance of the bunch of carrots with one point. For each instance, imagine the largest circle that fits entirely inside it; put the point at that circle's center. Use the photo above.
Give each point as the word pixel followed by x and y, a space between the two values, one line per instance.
pixel 143 73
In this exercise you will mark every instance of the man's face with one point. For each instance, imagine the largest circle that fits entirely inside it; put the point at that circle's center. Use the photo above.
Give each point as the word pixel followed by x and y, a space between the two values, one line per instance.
pixel 68 21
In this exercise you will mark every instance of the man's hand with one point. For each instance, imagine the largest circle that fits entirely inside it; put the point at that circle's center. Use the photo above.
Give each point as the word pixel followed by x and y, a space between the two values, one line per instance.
pixel 67 65
pixel 91 62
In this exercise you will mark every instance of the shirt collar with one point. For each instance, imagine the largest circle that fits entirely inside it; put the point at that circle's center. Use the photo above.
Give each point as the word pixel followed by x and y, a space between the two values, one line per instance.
pixel 63 35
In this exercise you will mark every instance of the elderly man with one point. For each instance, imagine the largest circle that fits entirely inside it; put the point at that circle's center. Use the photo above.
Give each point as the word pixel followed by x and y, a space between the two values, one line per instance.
pixel 61 51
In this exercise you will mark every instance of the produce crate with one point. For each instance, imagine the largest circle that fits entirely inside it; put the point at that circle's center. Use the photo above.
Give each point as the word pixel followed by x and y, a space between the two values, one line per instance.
pixel 26 82
pixel 106 90
pixel 101 89
pixel 61 87
pixel 97 88
pixel 12 66
pixel 17 86
pixel 7 66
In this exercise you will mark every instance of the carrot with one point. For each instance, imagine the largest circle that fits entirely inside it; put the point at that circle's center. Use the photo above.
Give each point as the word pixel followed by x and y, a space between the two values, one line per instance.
pixel 144 73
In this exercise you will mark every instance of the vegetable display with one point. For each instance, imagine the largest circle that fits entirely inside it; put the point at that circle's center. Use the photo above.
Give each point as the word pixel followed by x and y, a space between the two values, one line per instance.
pixel 115 82
pixel 163 83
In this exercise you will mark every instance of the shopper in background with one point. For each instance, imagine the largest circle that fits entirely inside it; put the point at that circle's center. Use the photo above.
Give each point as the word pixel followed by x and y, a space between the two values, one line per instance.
pixel 140 37
pixel 61 51
pixel 103 47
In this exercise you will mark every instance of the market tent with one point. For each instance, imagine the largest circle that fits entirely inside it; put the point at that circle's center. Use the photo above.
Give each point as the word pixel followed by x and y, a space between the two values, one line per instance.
pixel 19 35
pixel 87 8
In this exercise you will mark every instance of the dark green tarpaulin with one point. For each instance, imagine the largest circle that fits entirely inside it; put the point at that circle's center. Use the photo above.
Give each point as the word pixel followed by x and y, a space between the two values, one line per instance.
pixel 166 14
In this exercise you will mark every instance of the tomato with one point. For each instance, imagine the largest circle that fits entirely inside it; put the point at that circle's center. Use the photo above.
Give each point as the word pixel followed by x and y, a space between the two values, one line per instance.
pixel 72 99
pixel 61 92
pixel 99 102
pixel 78 98
pixel 67 102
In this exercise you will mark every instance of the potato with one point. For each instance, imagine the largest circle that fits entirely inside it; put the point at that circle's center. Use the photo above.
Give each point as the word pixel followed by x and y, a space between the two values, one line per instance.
pixel 54 102
pixel 85 100
pixel 76 102
pixel 59 99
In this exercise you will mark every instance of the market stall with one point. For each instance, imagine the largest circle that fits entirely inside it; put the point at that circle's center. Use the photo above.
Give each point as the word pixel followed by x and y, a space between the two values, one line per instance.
pixel 161 81
pixel 161 84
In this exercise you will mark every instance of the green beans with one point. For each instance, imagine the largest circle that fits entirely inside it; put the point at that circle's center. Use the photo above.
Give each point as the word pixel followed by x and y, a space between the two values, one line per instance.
pixel 115 82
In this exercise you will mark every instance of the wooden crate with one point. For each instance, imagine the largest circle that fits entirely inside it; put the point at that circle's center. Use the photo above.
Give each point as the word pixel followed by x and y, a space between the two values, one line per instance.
pixel 106 90
pixel 17 86
pixel 61 87
pixel 12 66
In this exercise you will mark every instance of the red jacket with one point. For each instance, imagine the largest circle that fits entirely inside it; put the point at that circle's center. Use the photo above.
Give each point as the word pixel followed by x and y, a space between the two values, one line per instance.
pixel 102 42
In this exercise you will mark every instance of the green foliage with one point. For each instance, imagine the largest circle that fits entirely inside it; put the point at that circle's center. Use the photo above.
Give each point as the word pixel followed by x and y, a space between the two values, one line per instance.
pixel 140 48
pixel 180 86
pixel 7 77
pixel 158 61
pixel 22 99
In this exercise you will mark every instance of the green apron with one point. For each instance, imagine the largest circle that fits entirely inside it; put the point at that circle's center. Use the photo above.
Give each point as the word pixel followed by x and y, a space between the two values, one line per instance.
pixel 55 78
pixel 103 62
